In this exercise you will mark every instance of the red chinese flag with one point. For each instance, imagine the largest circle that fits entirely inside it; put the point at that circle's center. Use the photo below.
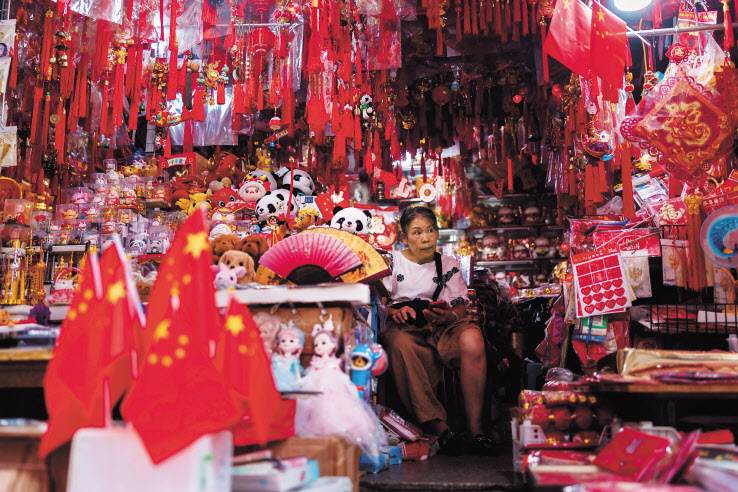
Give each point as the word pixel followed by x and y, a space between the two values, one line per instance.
pixel 185 271
pixel 240 357
pixel 607 46
pixel 179 395
pixel 93 350
pixel 568 39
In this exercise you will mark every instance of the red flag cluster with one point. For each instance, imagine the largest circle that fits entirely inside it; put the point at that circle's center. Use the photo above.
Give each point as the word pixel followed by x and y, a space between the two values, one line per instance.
pixel 181 393
pixel 588 42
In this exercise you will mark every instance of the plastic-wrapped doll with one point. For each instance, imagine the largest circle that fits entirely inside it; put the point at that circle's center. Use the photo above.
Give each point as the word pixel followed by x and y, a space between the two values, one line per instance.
pixel 286 367
pixel 338 409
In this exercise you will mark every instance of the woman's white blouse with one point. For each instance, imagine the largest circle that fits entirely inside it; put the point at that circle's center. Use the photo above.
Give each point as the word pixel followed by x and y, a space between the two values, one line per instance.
pixel 409 281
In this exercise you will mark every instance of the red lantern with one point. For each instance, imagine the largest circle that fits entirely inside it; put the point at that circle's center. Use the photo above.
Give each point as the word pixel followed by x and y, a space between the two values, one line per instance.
pixel 261 41
pixel 275 123
pixel 517 98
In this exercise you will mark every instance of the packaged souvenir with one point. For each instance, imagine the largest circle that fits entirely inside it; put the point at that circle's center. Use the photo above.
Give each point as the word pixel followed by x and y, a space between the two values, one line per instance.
pixel 17 211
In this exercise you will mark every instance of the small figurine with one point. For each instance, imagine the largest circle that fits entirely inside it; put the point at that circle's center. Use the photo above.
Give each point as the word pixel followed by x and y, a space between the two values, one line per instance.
pixel 286 367
pixel 254 226
pixel 113 197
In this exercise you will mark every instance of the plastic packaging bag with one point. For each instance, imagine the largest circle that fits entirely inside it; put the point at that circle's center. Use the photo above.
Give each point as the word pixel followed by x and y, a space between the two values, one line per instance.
pixel 215 130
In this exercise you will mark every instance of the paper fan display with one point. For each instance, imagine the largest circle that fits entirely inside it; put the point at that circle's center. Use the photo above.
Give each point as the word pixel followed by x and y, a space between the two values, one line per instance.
pixel 373 265
pixel 306 259
pixel 719 236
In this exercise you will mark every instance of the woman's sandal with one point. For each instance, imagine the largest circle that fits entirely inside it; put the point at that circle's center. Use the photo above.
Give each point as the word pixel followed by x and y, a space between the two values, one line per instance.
pixel 483 445
pixel 452 443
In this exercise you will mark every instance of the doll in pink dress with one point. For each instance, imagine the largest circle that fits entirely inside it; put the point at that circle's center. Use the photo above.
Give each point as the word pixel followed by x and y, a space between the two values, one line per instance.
pixel 338 409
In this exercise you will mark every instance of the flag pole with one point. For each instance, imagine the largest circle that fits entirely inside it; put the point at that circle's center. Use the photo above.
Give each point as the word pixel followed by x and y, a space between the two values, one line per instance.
pixel 107 404
pixel 674 30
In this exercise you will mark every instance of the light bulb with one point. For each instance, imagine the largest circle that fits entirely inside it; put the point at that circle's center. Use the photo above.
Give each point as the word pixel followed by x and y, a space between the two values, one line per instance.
pixel 631 5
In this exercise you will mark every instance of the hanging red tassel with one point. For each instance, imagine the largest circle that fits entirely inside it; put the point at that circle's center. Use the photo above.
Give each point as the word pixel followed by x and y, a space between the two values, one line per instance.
pixel 136 93
pixel 467 18
pixel 102 41
pixel 358 144
pixel 657 14
pixel 626 169
pixel 104 109
pixel 544 55
pixel 61 129
pixel 198 105
pixel 474 19
pixel 38 95
pixel 45 73
pixel 221 93
pixel 173 51
pixel 118 96
pixel 187 137
pixel 13 78
pixel 439 42
pixel 45 121
pixel 510 175
pixel 728 41
pixel 697 277
pixel 458 23
pixel 168 144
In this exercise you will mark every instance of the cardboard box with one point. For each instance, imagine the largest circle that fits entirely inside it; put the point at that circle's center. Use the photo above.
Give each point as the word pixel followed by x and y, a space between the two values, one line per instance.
pixel 22 471
pixel 307 317
pixel 336 455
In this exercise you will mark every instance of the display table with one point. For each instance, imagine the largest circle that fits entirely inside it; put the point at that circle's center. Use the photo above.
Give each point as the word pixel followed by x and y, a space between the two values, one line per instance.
pixel 23 368
pixel 664 390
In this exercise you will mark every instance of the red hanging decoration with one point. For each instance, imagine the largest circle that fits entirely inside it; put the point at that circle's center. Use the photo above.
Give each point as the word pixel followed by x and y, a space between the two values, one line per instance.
pixel 696 270
pixel 626 170
pixel 173 51
pixel 118 89
pixel 45 121
pixel 509 174
pixel 728 40
pixel 61 129
pixel 187 138
pixel 104 108
pixel 136 93
pixel 13 78
pixel 45 73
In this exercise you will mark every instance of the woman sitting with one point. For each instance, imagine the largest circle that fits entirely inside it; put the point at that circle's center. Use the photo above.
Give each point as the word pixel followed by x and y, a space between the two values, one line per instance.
pixel 419 337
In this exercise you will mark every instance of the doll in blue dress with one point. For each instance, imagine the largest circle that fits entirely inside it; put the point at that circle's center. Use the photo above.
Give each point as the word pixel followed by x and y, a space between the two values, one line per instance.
pixel 286 367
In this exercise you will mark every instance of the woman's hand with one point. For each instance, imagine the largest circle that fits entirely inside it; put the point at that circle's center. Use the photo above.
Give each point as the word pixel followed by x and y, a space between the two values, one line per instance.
pixel 440 316
pixel 400 316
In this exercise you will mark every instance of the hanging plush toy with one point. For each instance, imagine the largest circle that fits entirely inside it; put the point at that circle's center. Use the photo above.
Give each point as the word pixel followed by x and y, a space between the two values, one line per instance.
pixel 365 106
pixel 275 202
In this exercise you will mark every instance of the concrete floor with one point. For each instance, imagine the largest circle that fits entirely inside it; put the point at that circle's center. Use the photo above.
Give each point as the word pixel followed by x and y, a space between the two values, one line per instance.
pixel 448 473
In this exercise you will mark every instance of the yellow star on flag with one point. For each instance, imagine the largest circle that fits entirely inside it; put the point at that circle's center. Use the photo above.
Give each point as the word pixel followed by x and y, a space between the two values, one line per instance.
pixel 196 244
pixel 116 292
pixel 234 324
pixel 567 4
pixel 162 330
pixel 601 15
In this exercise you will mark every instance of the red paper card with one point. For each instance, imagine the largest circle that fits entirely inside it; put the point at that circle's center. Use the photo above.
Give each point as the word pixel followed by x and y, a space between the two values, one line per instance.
pixel 600 283
pixel 632 453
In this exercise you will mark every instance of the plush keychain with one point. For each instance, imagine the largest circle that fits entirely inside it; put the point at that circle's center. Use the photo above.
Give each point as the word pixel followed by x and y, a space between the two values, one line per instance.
pixel 286 367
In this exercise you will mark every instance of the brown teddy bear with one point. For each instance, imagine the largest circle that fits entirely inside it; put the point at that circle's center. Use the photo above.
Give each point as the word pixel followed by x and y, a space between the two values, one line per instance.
pixel 254 245
pixel 144 289
pixel 233 259
pixel 223 243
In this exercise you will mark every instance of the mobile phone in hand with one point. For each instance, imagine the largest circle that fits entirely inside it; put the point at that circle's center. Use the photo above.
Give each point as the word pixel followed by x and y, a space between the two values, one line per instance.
pixel 438 305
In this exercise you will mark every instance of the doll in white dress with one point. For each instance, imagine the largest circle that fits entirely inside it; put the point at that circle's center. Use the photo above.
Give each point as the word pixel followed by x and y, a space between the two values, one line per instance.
pixel 338 409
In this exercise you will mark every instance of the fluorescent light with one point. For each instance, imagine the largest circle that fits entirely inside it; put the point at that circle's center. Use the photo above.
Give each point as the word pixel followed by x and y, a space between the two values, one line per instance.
pixel 631 5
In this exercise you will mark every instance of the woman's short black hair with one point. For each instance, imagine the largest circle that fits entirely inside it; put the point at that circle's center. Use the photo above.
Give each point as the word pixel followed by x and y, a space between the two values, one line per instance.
pixel 410 213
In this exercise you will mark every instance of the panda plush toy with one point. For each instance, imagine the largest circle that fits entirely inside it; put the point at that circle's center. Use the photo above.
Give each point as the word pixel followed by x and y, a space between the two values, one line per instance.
pixel 300 182
pixel 275 202
pixel 352 220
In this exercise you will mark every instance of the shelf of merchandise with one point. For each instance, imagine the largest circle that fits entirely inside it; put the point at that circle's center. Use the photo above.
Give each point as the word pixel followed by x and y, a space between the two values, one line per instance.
pixel 527 261
pixel 510 228
pixel 353 294
pixel 69 248
pixel 516 196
